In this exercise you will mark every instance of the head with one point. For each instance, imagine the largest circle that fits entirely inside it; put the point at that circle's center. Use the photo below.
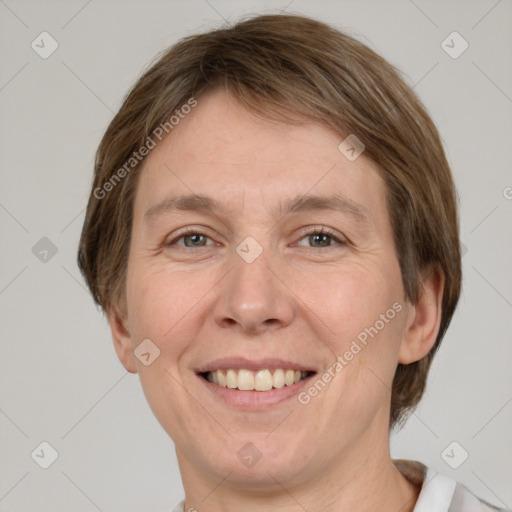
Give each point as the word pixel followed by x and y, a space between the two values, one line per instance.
pixel 253 116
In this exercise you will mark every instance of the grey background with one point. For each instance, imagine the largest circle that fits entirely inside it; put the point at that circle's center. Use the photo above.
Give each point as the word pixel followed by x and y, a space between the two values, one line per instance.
pixel 60 380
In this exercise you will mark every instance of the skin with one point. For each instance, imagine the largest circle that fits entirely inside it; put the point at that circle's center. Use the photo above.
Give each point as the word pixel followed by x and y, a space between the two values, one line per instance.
pixel 302 299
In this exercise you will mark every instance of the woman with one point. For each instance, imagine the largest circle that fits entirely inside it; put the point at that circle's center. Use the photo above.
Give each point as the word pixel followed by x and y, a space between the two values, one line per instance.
pixel 273 234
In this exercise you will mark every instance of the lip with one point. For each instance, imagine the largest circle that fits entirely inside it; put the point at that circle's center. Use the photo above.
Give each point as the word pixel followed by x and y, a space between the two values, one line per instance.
pixel 242 363
pixel 254 400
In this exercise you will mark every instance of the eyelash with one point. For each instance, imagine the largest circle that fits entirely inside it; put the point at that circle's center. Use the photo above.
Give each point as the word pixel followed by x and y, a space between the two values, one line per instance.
pixel 315 231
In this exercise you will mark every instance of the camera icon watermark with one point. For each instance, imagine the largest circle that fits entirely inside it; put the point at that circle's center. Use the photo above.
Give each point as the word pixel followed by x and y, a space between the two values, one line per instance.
pixel 44 250
pixel 454 45
pixel 351 147
pixel 146 352
pixel 249 250
pixel 454 455
pixel 44 455
pixel 44 45
pixel 249 455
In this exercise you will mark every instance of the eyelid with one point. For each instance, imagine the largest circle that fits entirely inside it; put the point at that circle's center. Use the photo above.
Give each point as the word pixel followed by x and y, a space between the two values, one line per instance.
pixel 189 230
pixel 319 228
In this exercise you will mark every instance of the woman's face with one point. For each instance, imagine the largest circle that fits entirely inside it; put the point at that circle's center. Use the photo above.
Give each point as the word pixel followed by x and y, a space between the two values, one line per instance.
pixel 252 287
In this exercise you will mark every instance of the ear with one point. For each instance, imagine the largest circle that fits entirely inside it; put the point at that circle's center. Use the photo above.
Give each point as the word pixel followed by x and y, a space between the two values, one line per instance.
pixel 424 319
pixel 122 339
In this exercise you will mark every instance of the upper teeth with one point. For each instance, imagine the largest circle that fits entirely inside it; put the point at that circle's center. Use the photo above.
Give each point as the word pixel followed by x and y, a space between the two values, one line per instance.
pixel 262 380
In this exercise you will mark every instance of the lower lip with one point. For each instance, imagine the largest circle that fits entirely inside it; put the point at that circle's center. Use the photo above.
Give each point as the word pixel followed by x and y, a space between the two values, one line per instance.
pixel 255 400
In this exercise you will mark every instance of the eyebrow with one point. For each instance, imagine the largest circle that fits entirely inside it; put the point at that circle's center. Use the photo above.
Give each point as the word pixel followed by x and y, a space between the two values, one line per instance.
pixel 305 203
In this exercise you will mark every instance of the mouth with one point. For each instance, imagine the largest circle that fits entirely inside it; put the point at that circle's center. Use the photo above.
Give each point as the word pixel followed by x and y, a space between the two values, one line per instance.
pixel 262 380
pixel 252 385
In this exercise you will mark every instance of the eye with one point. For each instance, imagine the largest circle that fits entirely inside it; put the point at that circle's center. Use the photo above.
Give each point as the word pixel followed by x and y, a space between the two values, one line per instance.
pixel 320 235
pixel 191 237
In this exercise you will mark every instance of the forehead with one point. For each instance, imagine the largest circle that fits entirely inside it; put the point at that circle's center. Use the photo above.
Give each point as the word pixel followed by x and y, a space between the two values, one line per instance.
pixel 220 149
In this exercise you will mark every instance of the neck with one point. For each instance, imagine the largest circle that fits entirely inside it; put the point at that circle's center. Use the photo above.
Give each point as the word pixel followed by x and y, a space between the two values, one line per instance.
pixel 355 479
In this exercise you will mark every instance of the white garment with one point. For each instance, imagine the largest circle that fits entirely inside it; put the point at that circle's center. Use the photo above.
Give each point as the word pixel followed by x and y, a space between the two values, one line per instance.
pixel 439 493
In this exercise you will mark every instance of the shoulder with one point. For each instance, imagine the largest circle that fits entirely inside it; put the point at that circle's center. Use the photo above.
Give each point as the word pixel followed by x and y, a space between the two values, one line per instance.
pixel 440 493
pixel 465 501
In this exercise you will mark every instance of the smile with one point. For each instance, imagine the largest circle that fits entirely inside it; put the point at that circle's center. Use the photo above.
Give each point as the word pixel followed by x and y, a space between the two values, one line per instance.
pixel 261 380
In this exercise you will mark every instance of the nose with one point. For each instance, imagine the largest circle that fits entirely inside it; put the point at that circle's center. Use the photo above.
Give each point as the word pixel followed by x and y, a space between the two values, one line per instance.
pixel 253 296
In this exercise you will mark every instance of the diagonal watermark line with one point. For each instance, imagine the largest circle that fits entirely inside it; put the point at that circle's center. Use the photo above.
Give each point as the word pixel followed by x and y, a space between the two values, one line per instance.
pixel 287 5
pixel 485 15
pixel 72 220
pixel 425 14
pixel 197 302
pixel 413 412
pixel 492 81
pixel 87 86
pixel 81 490
pixel 287 492
pixel 199 403
pixel 425 425
pixel 14 218
pixel 193 192
pixel 501 409
pixel 74 278
pixel 492 211
pixel 213 490
pixel 378 378
pixel 494 288
pixel 75 15
pixel 13 13
pixel 279 424
pixel 504 503
pixel 411 89
pixel 14 423
pixel 206 1
pixel 14 76
pixel 425 75
pixel 13 279
pixel 103 396
pixel 14 485
pixel 310 310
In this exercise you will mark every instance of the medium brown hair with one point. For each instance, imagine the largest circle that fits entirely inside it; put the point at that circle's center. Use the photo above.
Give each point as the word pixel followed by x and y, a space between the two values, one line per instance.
pixel 284 67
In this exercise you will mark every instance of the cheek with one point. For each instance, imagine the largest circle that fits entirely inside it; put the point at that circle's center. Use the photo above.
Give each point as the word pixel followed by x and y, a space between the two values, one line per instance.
pixel 360 311
pixel 348 298
pixel 140 305
pixel 154 300
pixel 158 305
pixel 166 306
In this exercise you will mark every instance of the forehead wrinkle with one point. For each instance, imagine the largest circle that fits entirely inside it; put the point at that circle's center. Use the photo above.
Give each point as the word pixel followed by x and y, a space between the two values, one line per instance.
pixel 334 202
pixel 200 202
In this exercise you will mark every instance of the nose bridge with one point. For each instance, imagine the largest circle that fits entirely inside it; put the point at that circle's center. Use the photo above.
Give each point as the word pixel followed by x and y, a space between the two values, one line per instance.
pixel 251 296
